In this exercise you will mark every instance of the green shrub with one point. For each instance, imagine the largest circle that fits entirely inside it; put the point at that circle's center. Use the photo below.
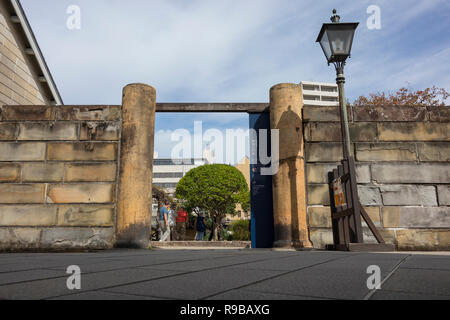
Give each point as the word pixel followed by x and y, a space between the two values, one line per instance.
pixel 241 230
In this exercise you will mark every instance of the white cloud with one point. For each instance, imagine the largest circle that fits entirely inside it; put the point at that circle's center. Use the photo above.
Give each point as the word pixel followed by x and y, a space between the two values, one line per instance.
pixel 211 51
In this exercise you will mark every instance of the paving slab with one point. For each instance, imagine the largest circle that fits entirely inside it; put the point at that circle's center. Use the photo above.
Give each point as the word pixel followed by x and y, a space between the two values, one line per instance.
pixel 289 263
pixel 343 278
pixel 43 289
pixel 217 262
pixel 197 285
pixel 427 262
pixel 242 294
pixel 396 295
pixel 420 281
pixel 240 274
pixel 103 295
pixel 29 275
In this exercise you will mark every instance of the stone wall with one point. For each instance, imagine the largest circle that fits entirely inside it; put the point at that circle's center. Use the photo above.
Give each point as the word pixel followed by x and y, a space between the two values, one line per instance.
pixel 403 172
pixel 58 176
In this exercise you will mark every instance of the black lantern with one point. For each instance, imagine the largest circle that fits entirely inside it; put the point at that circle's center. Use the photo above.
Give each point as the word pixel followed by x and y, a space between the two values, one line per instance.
pixel 336 39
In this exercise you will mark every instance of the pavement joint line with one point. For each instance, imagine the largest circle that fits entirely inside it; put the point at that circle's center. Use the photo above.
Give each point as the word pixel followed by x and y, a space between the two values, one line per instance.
pixel 396 267
pixel 113 292
pixel 289 294
pixel 138 295
pixel 429 269
pixel 276 276
pixel 158 278
pixel 85 273
pixel 413 292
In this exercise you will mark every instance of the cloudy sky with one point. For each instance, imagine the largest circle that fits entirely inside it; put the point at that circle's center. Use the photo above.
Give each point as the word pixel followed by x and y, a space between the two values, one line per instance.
pixel 233 50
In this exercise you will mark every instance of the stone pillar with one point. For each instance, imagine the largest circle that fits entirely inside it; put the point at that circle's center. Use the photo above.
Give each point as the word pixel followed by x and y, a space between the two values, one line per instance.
pixel 289 192
pixel 134 204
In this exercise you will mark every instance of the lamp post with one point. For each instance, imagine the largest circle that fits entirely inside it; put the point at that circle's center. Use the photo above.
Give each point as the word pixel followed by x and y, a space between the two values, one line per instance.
pixel 336 40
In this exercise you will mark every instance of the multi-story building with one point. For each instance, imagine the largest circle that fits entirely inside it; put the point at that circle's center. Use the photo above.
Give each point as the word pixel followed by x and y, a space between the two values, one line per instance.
pixel 24 76
pixel 320 93
pixel 168 172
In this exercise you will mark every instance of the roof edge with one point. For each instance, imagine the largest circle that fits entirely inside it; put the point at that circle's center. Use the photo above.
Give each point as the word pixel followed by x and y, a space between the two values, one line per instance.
pixel 37 51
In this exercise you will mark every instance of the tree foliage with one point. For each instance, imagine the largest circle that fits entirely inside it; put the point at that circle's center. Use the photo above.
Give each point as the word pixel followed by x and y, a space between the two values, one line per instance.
pixel 215 188
pixel 433 96
pixel 161 196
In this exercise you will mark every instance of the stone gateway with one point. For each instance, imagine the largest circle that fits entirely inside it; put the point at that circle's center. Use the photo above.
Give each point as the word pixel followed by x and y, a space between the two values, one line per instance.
pixel 80 177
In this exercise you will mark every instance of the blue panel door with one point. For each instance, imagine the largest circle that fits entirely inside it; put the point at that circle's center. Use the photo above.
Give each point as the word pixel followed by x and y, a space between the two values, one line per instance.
pixel 262 228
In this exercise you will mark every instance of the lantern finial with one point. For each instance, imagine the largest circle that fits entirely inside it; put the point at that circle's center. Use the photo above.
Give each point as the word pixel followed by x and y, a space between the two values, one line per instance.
pixel 335 18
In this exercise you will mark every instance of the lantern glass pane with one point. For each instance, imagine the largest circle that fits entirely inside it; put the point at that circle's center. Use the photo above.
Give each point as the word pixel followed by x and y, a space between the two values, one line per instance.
pixel 325 44
pixel 341 41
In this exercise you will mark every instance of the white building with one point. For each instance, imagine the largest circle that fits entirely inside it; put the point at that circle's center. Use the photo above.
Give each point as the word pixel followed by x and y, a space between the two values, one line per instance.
pixel 320 94
pixel 168 172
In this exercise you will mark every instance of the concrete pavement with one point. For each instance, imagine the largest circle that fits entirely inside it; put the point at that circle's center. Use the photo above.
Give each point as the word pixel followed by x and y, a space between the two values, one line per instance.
pixel 232 274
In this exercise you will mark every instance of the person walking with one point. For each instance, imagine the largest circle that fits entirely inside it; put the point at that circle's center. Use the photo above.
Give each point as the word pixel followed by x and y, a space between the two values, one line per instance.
pixel 200 227
pixel 181 221
pixel 164 222
pixel 172 217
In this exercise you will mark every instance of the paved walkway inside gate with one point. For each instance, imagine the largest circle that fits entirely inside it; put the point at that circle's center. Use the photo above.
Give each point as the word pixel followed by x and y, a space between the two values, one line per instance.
pixel 224 274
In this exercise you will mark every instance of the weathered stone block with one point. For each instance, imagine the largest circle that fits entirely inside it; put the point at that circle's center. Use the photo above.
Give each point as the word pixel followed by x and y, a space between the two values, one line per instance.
pixel 88 151
pixel 386 152
pixel 75 238
pixel 42 172
pixel 439 114
pixel 8 131
pixel 25 151
pixel 48 131
pixel 86 216
pixel 89 113
pixel 321 237
pixel 9 172
pixel 413 131
pixel 318 194
pixel 411 173
pixel 368 236
pixel 332 132
pixel 23 113
pixel 99 131
pixel 408 195
pixel 81 193
pixel 90 172
pixel 437 151
pixel 417 239
pixel 318 173
pixel 322 114
pixel 319 217
pixel 27 216
pixel 324 152
pixel 22 193
pixel 416 217
pixel 443 239
pixel 369 196
pixel 390 113
pixel 374 215
pixel 19 238
pixel 363 174
pixel 388 235
pixel 444 195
